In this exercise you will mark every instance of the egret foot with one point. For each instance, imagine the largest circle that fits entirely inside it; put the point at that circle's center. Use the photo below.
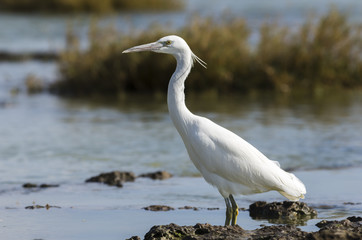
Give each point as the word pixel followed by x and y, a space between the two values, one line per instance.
pixel 235 210
pixel 229 212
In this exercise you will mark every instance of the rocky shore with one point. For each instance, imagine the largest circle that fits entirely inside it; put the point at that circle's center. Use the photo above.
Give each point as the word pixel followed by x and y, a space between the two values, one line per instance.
pixel 290 214
pixel 350 228
pixel 287 214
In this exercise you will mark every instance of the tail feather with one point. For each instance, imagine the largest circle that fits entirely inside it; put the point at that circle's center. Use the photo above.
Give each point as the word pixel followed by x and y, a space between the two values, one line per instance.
pixel 293 188
pixel 291 197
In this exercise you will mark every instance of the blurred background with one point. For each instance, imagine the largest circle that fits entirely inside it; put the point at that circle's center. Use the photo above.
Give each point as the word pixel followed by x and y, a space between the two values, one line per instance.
pixel 284 75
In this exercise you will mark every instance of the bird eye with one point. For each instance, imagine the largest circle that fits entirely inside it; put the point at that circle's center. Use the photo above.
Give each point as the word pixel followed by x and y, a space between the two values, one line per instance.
pixel 168 42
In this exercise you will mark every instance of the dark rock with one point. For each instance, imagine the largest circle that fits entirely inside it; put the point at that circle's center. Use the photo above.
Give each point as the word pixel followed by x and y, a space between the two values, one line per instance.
pixel 212 209
pixel 29 185
pixel 196 208
pixel 44 185
pixel 352 203
pixel 355 219
pixel 47 207
pixel 34 207
pixel 159 175
pixel 158 208
pixel 199 231
pixel 350 228
pixel 279 232
pixel 134 238
pixel 115 178
pixel 188 208
pixel 282 212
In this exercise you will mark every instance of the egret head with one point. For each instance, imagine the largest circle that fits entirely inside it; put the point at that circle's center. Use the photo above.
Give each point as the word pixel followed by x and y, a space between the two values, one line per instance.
pixel 169 44
pixel 172 44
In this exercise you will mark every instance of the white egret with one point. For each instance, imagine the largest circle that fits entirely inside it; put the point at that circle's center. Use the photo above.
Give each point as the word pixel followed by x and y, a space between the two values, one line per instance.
pixel 224 159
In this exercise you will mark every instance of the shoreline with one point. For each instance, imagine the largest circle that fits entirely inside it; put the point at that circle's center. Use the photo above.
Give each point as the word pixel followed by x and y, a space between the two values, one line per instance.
pixel 46 56
pixel 349 228
pixel 93 210
pixel 88 210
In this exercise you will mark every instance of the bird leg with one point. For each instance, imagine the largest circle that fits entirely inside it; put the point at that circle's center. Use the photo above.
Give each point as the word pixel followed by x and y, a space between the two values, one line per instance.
pixel 228 211
pixel 235 210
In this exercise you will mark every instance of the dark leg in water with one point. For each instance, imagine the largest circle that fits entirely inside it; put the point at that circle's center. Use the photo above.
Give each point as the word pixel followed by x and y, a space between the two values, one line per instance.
pixel 235 210
pixel 228 211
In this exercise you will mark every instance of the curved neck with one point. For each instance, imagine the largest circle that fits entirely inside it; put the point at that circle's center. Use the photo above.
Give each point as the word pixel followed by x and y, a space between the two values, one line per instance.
pixel 176 96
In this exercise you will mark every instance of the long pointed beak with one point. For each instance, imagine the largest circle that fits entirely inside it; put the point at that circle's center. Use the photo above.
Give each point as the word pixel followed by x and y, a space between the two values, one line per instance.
pixel 145 47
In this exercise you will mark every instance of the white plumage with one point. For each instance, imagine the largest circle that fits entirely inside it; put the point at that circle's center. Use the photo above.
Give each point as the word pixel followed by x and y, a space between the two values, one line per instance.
pixel 224 159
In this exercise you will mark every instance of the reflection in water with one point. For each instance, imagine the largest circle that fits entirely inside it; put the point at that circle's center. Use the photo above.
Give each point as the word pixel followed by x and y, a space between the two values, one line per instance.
pixel 301 131
pixel 312 132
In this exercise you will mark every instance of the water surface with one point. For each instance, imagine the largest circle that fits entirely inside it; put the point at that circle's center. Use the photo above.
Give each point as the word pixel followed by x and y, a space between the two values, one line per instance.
pixel 46 139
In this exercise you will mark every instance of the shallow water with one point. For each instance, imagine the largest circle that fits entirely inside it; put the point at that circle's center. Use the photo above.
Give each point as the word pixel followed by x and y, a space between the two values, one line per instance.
pixel 93 211
pixel 46 139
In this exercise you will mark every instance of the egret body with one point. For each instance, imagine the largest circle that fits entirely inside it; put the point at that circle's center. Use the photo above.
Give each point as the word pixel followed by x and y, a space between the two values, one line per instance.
pixel 224 159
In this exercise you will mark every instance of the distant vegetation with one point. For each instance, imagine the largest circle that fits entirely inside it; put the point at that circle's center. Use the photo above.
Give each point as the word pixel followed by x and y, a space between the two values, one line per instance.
pixel 97 6
pixel 325 52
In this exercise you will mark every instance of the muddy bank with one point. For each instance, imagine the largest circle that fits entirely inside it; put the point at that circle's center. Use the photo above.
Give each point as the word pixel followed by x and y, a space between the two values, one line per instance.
pixel 350 228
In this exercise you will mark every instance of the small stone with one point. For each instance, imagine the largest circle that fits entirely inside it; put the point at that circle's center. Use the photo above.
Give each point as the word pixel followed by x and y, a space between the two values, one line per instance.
pixel 47 207
pixel 29 185
pixel 212 209
pixel 44 185
pixel 34 207
pixel 159 175
pixel 351 203
pixel 134 238
pixel 158 208
pixel 189 208
pixel 115 178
